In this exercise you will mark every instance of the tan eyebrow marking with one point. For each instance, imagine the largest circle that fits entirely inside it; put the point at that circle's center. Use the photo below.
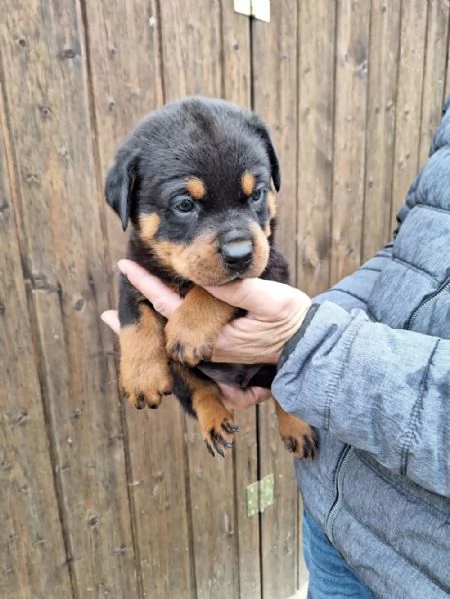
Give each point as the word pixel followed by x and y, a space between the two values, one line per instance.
pixel 248 183
pixel 196 187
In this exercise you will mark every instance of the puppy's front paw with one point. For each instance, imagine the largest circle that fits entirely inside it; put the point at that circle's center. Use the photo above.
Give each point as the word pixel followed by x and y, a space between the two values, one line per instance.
pixel 298 437
pixel 186 344
pixel 145 385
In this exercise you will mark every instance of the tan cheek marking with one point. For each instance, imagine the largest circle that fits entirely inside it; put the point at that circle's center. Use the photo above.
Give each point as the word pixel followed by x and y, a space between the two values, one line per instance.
pixel 248 183
pixel 148 226
pixel 167 253
pixel 196 188
pixel 261 251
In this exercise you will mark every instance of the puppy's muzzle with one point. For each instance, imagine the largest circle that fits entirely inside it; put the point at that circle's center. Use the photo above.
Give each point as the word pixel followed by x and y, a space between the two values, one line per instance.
pixel 236 249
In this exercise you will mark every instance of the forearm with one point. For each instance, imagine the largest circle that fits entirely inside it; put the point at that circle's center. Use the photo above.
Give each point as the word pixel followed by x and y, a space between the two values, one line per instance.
pixel 381 390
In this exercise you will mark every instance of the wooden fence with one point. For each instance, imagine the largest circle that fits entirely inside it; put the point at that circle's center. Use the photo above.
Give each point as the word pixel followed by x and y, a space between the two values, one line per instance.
pixel 99 500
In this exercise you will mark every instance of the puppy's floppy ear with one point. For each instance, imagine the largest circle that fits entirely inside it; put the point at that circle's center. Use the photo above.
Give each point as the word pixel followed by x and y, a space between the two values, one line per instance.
pixel 261 129
pixel 120 187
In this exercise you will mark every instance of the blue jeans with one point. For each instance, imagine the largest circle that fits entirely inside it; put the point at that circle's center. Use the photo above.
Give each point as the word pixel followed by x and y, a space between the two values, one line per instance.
pixel 329 575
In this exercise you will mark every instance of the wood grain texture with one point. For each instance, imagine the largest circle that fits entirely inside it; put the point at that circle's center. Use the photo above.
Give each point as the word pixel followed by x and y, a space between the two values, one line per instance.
pixel 352 31
pixel 34 561
pixel 409 100
pixel 63 257
pixel 380 130
pixel 315 144
pixel 127 82
pixel 190 32
pixel 275 99
pixel 434 73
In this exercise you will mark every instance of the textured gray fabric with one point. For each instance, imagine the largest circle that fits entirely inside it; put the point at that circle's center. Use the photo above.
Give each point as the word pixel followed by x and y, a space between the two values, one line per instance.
pixel 372 373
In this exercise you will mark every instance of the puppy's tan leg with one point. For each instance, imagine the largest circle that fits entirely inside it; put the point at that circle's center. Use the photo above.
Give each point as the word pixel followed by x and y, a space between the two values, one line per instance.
pixel 216 422
pixel 298 437
pixel 144 372
pixel 193 328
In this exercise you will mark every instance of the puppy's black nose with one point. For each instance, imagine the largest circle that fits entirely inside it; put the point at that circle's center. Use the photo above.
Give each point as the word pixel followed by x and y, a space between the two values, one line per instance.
pixel 236 249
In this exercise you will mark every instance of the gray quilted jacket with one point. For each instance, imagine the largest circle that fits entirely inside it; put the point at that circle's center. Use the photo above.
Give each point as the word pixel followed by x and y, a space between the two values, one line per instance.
pixel 372 373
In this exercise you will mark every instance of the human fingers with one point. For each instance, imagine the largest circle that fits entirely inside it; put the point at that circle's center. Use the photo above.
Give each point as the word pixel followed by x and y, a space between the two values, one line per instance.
pixel 260 297
pixel 240 399
pixel 164 300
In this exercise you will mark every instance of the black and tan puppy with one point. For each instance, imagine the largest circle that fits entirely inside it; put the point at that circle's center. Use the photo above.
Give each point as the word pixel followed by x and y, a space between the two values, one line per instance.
pixel 195 180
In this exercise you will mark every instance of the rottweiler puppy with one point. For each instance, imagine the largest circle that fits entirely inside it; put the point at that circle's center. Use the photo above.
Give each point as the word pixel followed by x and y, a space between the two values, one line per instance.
pixel 195 181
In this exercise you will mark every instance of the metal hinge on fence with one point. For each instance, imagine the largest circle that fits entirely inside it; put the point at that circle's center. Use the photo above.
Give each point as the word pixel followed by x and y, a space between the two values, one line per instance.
pixel 259 9
pixel 260 495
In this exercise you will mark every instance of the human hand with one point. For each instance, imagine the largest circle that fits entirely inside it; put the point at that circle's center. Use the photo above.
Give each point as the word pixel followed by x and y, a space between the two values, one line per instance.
pixel 274 313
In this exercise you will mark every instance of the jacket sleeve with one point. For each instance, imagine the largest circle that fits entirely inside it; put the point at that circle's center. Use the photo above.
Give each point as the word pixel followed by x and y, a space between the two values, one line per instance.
pixel 385 391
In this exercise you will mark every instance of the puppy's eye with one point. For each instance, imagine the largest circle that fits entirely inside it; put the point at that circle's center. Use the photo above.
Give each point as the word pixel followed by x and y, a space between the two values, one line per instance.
pixel 184 205
pixel 257 196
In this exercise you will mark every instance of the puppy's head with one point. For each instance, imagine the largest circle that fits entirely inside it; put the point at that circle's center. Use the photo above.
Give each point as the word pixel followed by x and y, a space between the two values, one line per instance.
pixel 195 181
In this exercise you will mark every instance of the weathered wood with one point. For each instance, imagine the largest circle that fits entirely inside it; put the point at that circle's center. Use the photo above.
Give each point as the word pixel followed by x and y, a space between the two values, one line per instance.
pixel 382 91
pixel 126 82
pixel 274 59
pixel 315 144
pixel 34 561
pixel 409 100
pixel 190 32
pixel 434 73
pixel 349 140
pixel 63 255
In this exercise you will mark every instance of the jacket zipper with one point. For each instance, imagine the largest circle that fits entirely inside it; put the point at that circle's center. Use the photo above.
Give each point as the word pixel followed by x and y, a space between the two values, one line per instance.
pixel 347 452
pixel 425 303
pixel 346 455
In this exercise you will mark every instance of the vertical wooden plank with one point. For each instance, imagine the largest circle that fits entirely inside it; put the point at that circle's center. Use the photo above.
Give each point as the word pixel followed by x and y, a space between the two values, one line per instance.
pixel 434 73
pixel 274 56
pixel 126 83
pixel 315 143
pixel 350 126
pixel 409 100
pixel 382 91
pixel 63 254
pixel 190 33
pixel 237 80
pixel 34 561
